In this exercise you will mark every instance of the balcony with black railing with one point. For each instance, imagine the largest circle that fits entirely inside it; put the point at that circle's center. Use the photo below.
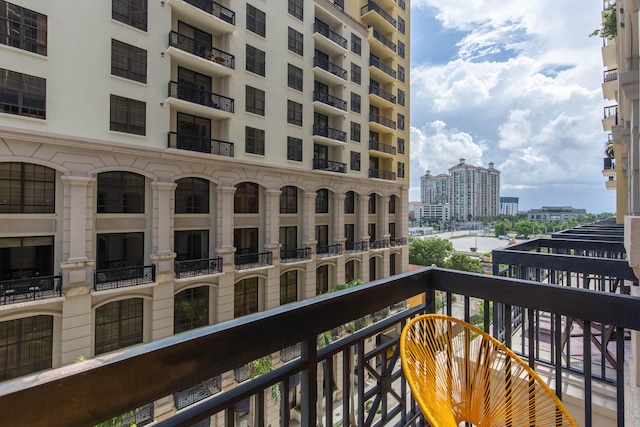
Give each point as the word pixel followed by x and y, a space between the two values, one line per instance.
pixel 254 260
pixel 215 9
pixel 381 147
pixel 322 28
pixel 380 244
pixel 384 40
pixel 329 166
pixel 382 174
pixel 323 251
pixel 330 67
pixel 198 95
pixel 200 144
pixel 331 133
pixel 119 276
pixel 295 255
pixel 376 90
pixel 199 49
pixel 398 241
pixel 197 393
pixel 330 100
pixel 382 120
pixel 610 75
pixel 372 6
pixel 375 62
pixel 30 289
pixel 356 246
pixel 197 267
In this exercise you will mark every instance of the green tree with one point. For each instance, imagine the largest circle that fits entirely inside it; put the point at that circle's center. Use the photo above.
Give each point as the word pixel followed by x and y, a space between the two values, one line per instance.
pixel 502 227
pixel 429 251
pixel 609 27
pixel 526 227
pixel 462 262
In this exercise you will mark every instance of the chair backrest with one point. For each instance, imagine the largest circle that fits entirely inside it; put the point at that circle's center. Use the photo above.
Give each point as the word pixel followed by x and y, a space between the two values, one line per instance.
pixel 458 373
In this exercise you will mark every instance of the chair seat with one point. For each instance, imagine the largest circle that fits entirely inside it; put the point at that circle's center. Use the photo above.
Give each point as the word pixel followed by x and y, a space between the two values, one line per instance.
pixel 458 373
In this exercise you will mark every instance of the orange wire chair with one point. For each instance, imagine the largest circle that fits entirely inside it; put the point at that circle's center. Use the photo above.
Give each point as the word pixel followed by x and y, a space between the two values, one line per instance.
pixel 458 373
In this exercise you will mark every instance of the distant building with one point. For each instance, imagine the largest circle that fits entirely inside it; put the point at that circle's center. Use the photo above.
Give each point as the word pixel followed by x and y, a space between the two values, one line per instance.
pixel 554 213
pixel 434 212
pixel 509 205
pixel 434 188
pixel 473 191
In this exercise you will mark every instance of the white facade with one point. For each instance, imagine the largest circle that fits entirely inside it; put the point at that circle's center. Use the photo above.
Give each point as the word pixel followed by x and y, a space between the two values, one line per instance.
pixel 509 205
pixel 473 191
pixel 435 211
pixel 434 189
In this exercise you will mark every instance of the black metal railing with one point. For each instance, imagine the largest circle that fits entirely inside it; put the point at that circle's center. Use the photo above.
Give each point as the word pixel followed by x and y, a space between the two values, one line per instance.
pixel 402 4
pixel 140 417
pixel 375 62
pixel 331 133
pixel 287 354
pixel 330 67
pixel 200 144
pixel 331 100
pixel 382 174
pixel 215 9
pixel 356 246
pixel 195 394
pixel 329 165
pixel 197 267
pixel 610 75
pixel 242 373
pixel 372 6
pixel 384 148
pixel 609 163
pixel 329 250
pixel 379 244
pixel 380 119
pixel 322 28
pixel 293 255
pixel 244 261
pixel 382 93
pixel 123 277
pixel 198 95
pixel 384 40
pixel 398 241
pixel 31 288
pixel 194 47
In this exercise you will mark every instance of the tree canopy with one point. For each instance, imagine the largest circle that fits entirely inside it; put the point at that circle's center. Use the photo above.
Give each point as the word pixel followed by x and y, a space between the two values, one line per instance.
pixel 427 252
pixel 462 262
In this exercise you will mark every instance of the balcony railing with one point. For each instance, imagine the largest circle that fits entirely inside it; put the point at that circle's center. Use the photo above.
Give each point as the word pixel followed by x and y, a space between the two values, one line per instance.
pixel 194 47
pixel 375 62
pixel 294 255
pixel 140 417
pixel 380 244
pixel 398 241
pixel 382 174
pixel 371 6
pixel 31 288
pixel 611 111
pixel 289 353
pixel 383 148
pixel 200 144
pixel 215 9
pixel 198 95
pixel 382 39
pixel 329 250
pixel 194 394
pixel 330 67
pixel 357 246
pixel 121 277
pixel 327 132
pixel 329 165
pixel 322 28
pixel 331 100
pixel 197 267
pixel 380 119
pixel 382 93
pixel 609 163
pixel 610 75
pixel 262 259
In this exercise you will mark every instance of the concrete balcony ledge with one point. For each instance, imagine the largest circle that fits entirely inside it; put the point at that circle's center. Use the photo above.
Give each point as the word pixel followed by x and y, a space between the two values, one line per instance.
pixel 632 242
pixel 629 84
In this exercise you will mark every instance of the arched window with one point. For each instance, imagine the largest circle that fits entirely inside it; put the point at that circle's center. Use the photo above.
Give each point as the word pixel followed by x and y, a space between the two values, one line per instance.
pixel 191 309
pixel 118 325
pixel 350 202
pixel 120 192
pixel 322 279
pixel 288 287
pixel 289 200
pixel 27 188
pixel 192 196
pixel 322 201
pixel 246 198
pixel 26 346
pixel 245 297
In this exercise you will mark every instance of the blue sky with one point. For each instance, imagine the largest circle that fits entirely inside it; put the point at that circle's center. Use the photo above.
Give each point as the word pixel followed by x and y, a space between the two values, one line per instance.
pixel 515 83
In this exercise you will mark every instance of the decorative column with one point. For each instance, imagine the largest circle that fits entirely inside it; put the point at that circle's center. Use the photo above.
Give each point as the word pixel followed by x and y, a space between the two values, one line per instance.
pixel 225 224
pixel 309 220
pixel 338 218
pixel 362 230
pixel 162 229
pixel 272 223
pixel 384 218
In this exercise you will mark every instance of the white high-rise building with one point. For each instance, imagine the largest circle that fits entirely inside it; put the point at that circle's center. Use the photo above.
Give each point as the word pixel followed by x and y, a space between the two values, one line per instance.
pixel 474 192
pixel 434 188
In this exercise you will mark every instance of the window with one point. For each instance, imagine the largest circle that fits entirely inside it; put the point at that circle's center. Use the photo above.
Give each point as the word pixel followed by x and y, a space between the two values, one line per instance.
pixel 192 196
pixel 350 235
pixel 372 269
pixel 120 250
pixel 27 188
pixel 24 257
pixel 289 200
pixel 392 264
pixel 401 97
pixel 392 204
pixel 295 41
pixel 355 133
pixel 322 201
pixel 294 77
pixel 256 62
pixel 400 121
pixel 400 49
pixel 322 279
pixel 256 21
pixel 400 170
pixel 371 229
pixel 356 73
pixel 254 141
pixel 400 73
pixel 245 199
pixel 131 12
pixel 26 346
pixel 356 44
pixel 355 161
pixel 401 24
pixel 294 113
pixel 118 325
pixel 294 149
pixel 191 245
pixel 372 203
pixel 22 94
pixel 120 192
pixel 350 202
pixel 288 287
pixel 128 61
pixel 289 242
pixel 254 100
pixel 23 28
pixel 355 102
pixel 128 115
pixel 245 297
pixel 296 8
pixel 400 145
pixel 191 309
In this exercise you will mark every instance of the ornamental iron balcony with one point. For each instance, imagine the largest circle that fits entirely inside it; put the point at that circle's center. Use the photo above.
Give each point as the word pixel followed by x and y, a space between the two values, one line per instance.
pixel 194 47
pixel 30 288
pixel 382 39
pixel 322 28
pixel 215 9
pixel 382 93
pixel 383 148
pixel 122 277
pixel 357 246
pixel 609 163
pixel 140 417
pixel 610 75
pixel 380 244
pixel 382 174
pixel 330 67
pixel 200 144
pixel 372 6
pixel 331 100
pixel 287 354
pixel 398 241
pixel 323 251
pixel 245 261
pixel 329 166
pixel 242 373
pixel 193 93
pixel 295 255
pixel 382 120
pixel 195 394
pixel 327 132
pixel 197 267
pixel 375 62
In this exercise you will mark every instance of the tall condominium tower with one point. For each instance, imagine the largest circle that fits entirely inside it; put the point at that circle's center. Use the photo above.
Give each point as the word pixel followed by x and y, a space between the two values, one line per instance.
pixel 473 191
pixel 434 189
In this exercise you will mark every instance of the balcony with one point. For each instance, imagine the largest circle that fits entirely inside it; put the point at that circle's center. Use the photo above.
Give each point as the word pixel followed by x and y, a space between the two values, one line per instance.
pixel 610 183
pixel 382 148
pixel 331 68
pixel 30 289
pixel 398 241
pixel 329 134
pixel 200 57
pixel 529 316
pixel 610 117
pixel 295 255
pixel 609 55
pixel 255 260
pixel 385 71
pixel 329 166
pixel 382 120
pixel 331 101
pixel 325 251
pixel 609 167
pixel 610 84
pixel 119 276
pixel 353 247
pixel 382 174
pixel 327 39
pixel 380 244
pixel 199 100
pixel 197 267
pixel 200 144
pixel 383 95
pixel 195 394
pixel 377 17
pixel 201 11
pixel 384 41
